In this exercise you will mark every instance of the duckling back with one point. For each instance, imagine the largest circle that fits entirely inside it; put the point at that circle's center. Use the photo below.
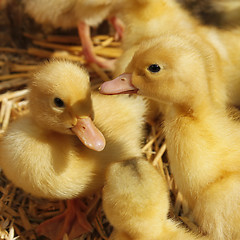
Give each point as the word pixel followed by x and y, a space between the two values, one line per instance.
pixel 66 14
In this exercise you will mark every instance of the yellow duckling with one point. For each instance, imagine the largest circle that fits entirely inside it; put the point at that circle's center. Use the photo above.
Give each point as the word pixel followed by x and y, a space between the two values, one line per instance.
pixel 145 19
pixel 57 151
pixel 202 140
pixel 76 13
pixel 136 202
pixel 148 19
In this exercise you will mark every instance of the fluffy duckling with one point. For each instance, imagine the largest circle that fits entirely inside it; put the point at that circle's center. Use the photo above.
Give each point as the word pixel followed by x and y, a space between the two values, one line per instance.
pixel 136 202
pixel 202 140
pixel 76 13
pixel 144 19
pixel 57 150
pixel 150 18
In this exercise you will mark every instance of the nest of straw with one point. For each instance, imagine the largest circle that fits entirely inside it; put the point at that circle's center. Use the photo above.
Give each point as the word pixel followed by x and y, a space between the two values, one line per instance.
pixel 21 213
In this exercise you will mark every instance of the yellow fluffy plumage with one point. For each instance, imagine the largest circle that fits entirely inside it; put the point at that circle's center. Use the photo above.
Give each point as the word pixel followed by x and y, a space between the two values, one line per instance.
pixel 76 13
pixel 136 202
pixel 202 140
pixel 150 18
pixel 41 154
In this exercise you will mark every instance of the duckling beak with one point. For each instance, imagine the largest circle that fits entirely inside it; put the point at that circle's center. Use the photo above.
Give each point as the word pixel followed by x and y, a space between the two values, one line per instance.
pixel 89 134
pixel 121 84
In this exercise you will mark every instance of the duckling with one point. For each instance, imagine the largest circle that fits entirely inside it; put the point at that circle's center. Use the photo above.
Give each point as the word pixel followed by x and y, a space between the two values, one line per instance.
pixel 76 13
pixel 202 139
pixel 144 19
pixel 57 150
pixel 136 202
pixel 151 18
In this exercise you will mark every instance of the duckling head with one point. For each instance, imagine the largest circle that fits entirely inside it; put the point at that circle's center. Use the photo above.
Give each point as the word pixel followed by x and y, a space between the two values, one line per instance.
pixel 60 101
pixel 168 69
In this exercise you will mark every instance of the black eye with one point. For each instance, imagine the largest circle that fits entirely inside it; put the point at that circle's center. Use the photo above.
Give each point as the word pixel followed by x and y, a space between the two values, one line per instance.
pixel 154 68
pixel 59 102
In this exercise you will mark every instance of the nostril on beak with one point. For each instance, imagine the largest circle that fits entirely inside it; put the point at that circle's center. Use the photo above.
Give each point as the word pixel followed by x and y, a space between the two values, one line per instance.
pixel 123 79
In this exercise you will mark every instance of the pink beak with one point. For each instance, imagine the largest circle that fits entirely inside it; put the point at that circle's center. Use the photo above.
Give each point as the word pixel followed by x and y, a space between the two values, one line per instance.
pixel 121 84
pixel 89 134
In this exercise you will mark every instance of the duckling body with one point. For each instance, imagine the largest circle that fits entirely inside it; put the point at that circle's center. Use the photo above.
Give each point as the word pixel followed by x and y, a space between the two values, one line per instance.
pixel 54 165
pixel 207 166
pixel 40 152
pixel 136 202
pixel 202 140
pixel 75 13
pixel 226 45
pixel 67 14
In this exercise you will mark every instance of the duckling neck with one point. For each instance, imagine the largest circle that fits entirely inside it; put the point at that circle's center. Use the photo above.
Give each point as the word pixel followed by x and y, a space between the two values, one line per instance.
pixel 193 137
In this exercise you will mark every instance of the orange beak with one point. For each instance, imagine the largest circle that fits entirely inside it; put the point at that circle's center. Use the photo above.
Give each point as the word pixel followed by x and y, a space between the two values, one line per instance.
pixel 119 85
pixel 89 134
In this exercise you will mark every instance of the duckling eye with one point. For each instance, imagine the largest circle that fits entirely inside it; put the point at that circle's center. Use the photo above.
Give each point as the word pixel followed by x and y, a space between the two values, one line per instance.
pixel 58 102
pixel 154 68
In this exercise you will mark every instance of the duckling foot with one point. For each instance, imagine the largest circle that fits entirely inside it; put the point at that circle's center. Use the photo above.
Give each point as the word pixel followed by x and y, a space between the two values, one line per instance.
pixel 107 64
pixel 72 222
pixel 118 26
pixel 88 48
